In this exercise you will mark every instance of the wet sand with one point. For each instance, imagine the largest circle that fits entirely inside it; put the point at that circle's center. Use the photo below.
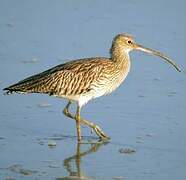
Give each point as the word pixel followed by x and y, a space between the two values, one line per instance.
pixel 145 117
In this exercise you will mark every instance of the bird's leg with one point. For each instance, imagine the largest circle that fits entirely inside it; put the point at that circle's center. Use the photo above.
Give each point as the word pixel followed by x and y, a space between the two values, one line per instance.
pixel 93 126
pixel 66 110
pixel 76 117
pixel 78 122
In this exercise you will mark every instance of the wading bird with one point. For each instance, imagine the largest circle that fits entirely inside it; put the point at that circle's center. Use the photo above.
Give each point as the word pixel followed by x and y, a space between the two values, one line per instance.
pixel 85 79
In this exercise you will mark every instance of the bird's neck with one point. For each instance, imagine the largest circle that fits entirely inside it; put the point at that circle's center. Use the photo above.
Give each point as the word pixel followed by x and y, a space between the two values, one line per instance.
pixel 120 56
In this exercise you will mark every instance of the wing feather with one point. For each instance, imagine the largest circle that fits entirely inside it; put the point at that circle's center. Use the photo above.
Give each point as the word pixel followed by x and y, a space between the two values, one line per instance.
pixel 71 78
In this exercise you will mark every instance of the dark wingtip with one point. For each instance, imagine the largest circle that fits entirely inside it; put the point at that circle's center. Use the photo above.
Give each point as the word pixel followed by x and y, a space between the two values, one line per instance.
pixel 8 91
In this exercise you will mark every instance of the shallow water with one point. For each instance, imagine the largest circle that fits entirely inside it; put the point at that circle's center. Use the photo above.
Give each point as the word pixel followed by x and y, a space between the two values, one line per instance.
pixel 145 116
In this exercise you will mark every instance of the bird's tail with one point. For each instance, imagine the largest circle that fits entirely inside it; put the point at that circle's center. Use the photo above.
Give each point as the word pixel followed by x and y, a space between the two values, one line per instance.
pixel 32 84
pixel 20 88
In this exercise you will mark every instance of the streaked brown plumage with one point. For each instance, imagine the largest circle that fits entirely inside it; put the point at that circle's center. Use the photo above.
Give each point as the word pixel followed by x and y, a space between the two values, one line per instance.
pixel 84 79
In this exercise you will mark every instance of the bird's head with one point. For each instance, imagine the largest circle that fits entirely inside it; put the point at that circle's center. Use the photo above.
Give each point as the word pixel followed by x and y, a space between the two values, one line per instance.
pixel 126 43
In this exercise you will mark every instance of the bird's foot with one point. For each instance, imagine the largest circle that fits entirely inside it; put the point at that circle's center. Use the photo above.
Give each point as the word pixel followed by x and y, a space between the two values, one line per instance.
pixel 93 126
pixel 100 133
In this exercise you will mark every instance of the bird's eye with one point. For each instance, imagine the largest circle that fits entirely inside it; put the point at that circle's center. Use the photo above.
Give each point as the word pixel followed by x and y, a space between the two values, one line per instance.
pixel 129 42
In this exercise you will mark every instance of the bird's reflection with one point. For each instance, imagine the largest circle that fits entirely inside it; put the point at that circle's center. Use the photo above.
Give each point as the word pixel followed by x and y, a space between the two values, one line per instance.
pixel 76 173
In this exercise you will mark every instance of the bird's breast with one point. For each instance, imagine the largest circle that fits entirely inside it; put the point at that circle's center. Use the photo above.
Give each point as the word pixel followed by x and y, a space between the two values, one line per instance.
pixel 113 80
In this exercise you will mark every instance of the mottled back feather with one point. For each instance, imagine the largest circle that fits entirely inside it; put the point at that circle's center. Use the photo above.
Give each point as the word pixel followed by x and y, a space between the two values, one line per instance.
pixel 71 78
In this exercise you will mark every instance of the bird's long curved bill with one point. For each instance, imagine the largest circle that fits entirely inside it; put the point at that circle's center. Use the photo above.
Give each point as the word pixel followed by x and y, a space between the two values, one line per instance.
pixel 156 53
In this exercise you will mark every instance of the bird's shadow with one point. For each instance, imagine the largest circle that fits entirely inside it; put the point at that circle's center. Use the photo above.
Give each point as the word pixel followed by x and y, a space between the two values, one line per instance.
pixel 72 164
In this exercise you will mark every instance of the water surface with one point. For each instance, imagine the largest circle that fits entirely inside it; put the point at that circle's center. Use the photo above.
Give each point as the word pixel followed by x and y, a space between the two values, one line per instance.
pixel 145 115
